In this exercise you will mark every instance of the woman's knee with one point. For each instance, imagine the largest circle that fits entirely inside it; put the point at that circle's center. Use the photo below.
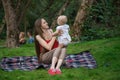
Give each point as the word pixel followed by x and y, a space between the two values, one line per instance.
pixel 46 61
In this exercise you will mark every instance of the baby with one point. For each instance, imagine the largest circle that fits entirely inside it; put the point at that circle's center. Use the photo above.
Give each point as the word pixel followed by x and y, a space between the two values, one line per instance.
pixel 64 39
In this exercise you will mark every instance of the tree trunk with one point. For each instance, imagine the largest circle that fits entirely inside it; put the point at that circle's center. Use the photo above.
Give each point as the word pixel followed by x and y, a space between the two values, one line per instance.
pixel 80 17
pixel 60 12
pixel 13 18
pixel 12 27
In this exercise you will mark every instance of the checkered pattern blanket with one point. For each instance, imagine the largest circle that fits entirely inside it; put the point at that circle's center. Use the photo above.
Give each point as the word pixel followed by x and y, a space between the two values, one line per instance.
pixel 82 59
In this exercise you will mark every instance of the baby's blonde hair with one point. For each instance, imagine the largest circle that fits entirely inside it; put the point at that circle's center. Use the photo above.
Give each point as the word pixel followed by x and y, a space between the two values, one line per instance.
pixel 62 19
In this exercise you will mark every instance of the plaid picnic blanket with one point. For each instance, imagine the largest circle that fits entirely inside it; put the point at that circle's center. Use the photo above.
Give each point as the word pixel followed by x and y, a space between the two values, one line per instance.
pixel 82 59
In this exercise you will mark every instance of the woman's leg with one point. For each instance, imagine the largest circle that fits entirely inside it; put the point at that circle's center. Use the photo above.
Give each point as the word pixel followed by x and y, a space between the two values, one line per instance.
pixel 47 57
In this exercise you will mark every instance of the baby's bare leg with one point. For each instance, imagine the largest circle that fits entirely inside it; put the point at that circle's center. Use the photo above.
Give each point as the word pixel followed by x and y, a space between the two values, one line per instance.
pixel 61 58
pixel 56 55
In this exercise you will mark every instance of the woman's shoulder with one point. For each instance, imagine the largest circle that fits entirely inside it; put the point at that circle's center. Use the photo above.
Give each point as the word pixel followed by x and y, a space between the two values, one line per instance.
pixel 37 36
pixel 50 30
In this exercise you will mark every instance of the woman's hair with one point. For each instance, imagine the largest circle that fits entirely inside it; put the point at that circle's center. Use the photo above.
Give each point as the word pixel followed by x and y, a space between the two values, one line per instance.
pixel 38 31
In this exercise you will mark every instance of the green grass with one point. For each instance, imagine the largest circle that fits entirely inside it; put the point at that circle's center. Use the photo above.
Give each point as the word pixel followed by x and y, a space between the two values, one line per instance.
pixel 106 52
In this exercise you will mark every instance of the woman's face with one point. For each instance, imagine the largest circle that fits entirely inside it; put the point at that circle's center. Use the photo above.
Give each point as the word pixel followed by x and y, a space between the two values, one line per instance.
pixel 44 24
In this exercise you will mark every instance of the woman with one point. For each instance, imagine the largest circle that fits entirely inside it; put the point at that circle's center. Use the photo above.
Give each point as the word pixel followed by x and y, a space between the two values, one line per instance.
pixel 45 45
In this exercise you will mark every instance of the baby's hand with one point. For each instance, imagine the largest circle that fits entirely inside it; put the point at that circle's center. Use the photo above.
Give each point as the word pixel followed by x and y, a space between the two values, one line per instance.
pixel 60 32
pixel 53 34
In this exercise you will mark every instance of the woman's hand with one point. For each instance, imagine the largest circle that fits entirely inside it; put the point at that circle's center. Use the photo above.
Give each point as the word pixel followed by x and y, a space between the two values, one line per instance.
pixel 43 43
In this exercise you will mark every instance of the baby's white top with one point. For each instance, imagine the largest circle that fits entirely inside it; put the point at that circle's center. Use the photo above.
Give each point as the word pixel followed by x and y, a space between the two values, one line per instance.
pixel 65 28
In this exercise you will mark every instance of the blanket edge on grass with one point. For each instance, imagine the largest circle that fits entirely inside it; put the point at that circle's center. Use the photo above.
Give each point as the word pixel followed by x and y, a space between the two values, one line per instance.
pixel 27 63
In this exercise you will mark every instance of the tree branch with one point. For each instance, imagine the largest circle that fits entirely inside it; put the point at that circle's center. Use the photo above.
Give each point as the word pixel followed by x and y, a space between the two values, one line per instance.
pixel 48 7
pixel 17 10
pixel 60 12
pixel 23 12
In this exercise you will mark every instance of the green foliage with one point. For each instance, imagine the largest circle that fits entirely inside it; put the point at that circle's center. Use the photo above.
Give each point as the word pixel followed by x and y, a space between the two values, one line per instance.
pixel 3 34
pixel 105 52
pixel 43 9
pixel 71 11
pixel 102 21
pixel 48 9
pixel 1 12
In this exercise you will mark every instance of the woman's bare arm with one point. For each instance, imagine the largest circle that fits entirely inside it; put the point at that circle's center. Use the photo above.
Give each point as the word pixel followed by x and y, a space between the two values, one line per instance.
pixel 55 33
pixel 43 43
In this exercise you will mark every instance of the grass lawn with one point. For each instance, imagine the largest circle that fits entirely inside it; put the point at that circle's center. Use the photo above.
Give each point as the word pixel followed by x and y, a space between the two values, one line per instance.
pixel 106 52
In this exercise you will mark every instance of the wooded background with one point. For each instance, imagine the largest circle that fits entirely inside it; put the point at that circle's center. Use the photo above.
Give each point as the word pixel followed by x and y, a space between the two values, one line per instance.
pixel 88 19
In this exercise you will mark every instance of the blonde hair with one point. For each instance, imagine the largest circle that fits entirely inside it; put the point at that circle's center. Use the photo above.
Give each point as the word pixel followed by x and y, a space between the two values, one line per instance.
pixel 22 35
pixel 62 20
